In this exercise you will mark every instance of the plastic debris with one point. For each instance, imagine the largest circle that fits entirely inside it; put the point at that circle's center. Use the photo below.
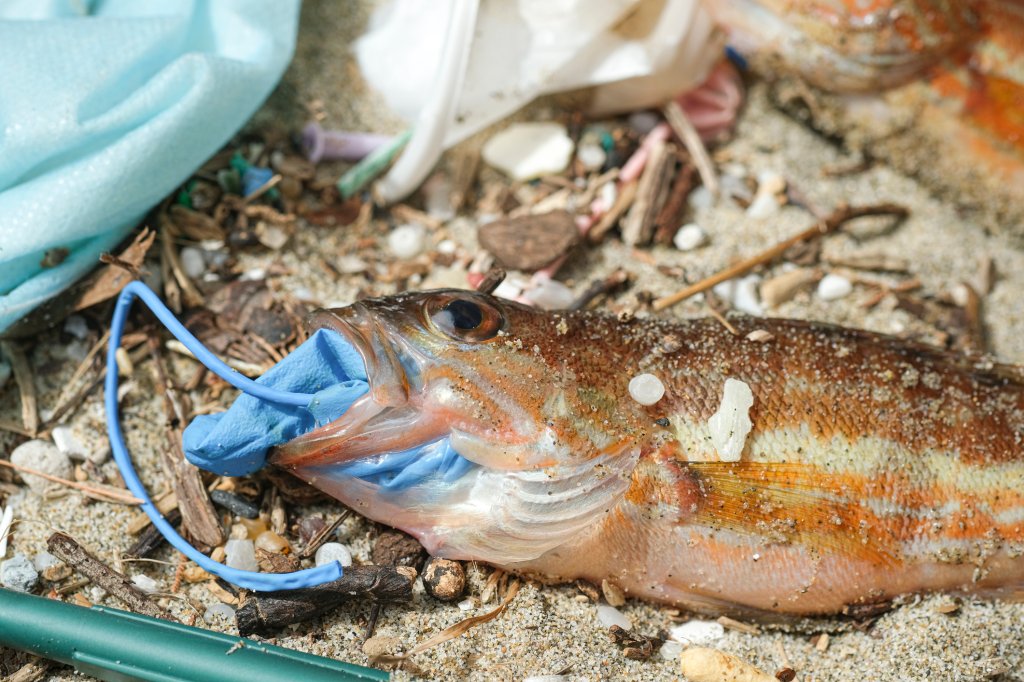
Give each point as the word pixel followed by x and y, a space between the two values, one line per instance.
pixel 18 573
pixel 145 583
pixel 407 241
pixel 241 554
pixel 524 151
pixel 44 457
pixel 609 616
pixel 44 560
pixel 338 145
pixel 646 389
pixel 65 440
pixel 549 294
pixel 333 551
pixel 731 424
pixel 698 632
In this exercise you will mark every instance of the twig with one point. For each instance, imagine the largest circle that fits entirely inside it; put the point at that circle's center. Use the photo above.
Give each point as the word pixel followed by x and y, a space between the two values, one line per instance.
pixel 624 199
pixel 65 548
pixel 682 127
pixel 463 626
pixel 372 624
pixel 264 612
pixel 26 385
pixel 638 225
pixel 494 277
pixel 837 219
pixel 151 538
pixel 667 222
pixel 717 314
pixel 317 541
pixel 35 670
pixel 600 287
pixel 99 491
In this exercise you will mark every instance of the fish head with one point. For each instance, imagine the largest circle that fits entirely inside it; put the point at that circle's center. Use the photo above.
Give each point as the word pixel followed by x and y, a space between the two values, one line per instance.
pixel 486 433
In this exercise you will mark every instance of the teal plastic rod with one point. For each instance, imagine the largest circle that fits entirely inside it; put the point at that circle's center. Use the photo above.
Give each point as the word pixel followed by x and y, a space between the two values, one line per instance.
pixel 118 646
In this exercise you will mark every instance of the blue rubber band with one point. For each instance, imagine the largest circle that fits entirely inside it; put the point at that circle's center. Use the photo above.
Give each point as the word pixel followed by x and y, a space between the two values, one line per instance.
pixel 251 580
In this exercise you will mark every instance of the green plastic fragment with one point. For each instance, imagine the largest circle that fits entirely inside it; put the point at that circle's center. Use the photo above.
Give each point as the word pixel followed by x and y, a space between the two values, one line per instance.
pixel 364 172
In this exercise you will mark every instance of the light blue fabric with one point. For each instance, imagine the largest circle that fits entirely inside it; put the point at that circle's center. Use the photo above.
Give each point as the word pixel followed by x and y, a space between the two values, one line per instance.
pixel 235 443
pixel 107 106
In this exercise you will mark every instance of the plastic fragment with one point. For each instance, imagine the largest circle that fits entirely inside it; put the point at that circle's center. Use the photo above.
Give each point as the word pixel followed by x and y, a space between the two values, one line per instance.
pixel 524 151
pixel 241 554
pixel 698 632
pixel 334 145
pixel 609 616
pixel 145 583
pixel 646 389
pixel 833 287
pixel 731 424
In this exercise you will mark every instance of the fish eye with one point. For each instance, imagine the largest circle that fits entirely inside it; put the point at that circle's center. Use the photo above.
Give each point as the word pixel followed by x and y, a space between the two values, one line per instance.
pixel 464 319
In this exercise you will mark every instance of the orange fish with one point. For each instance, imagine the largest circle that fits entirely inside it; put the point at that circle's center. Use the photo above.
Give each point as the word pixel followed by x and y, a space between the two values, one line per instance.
pixel 871 467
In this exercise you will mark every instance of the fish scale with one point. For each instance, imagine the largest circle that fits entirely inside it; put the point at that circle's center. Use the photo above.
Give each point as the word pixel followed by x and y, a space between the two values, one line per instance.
pixel 875 467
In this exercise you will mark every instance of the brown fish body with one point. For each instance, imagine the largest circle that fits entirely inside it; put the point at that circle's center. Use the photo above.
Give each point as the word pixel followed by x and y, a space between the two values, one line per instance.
pixel 873 467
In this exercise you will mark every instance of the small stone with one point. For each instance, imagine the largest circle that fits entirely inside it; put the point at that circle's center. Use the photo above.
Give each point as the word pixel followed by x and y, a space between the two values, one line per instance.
pixel 407 241
pixel 44 457
pixel 67 443
pixel 467 604
pixel 145 583
pixel 549 294
pixel 236 504
pixel 219 611
pixel 333 551
pixel 613 594
pixel 689 237
pixel 670 650
pixel 381 645
pixel 395 548
pixel 77 327
pixel 444 579
pixel 241 554
pixel 529 242
pixel 646 389
pixel 833 287
pixel 6 519
pixel 192 262
pixel 698 632
pixel 763 206
pixel 592 156
pixel 609 616
pixel 270 541
pixel 271 236
pixel 18 573
pixel 525 151
pixel 731 424
pixel 44 560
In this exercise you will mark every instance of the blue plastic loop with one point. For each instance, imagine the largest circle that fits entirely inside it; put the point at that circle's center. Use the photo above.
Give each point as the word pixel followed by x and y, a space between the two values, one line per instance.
pixel 251 580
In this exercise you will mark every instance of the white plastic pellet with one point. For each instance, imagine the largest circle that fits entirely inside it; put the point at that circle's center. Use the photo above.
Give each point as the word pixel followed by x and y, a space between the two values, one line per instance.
pixel 697 632
pixel 646 389
pixel 689 237
pixel 731 424
pixel 241 554
pixel 670 650
pixel 407 241
pixel 592 156
pixel 832 287
pixel 609 616
pixel 192 262
pixel 145 583
pixel 549 294
pixel 333 551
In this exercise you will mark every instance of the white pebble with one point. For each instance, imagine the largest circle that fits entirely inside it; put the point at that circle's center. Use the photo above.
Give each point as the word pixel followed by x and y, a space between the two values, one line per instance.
pixel 731 424
pixel 193 262
pixel 549 294
pixel 592 156
pixel 742 294
pixel 467 604
pixel 44 457
pixel 241 554
pixel 763 206
pixel 689 237
pixel 609 193
pixel 145 583
pixel 609 616
pixel 524 151
pixel 75 326
pixel 447 247
pixel 832 287
pixel 219 610
pixel 6 519
pixel 646 389
pixel 67 443
pixel 701 198
pixel 670 650
pixel 333 551
pixel 407 241
pixel 698 632
pixel 44 560
pixel 17 573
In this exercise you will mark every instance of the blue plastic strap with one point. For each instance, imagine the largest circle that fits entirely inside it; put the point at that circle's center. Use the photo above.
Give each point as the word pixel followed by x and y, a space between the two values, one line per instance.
pixel 252 580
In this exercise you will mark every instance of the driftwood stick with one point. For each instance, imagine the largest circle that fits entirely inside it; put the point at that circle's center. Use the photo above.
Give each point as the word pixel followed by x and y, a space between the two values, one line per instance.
pixel 264 612
pixel 65 548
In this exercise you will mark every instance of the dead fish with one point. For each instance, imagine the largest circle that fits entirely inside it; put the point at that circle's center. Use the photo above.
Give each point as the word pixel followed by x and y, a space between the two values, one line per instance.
pixel 873 468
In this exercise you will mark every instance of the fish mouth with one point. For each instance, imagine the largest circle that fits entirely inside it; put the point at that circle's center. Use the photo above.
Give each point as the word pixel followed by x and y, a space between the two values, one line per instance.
pixel 384 420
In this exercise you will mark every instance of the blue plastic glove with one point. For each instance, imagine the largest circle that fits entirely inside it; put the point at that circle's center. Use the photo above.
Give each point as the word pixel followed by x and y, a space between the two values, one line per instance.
pixel 101 116
pixel 235 443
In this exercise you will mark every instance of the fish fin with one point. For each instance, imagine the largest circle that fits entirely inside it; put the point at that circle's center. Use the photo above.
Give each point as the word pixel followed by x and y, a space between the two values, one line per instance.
pixel 795 503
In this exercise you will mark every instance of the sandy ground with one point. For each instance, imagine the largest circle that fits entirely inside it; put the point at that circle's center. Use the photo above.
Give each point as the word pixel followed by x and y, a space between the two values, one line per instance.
pixel 552 629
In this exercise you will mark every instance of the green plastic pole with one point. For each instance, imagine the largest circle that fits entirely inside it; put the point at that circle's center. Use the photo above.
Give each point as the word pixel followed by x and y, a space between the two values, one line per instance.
pixel 118 646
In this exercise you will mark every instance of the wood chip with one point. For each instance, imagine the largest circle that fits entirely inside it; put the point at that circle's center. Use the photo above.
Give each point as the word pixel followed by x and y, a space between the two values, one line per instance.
pixel 623 200
pixel 821 642
pixel 613 594
pixel 26 385
pixel 530 242
pixel 638 225
pixel 779 289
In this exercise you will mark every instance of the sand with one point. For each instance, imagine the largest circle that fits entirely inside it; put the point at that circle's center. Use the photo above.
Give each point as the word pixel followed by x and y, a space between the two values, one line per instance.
pixel 555 629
